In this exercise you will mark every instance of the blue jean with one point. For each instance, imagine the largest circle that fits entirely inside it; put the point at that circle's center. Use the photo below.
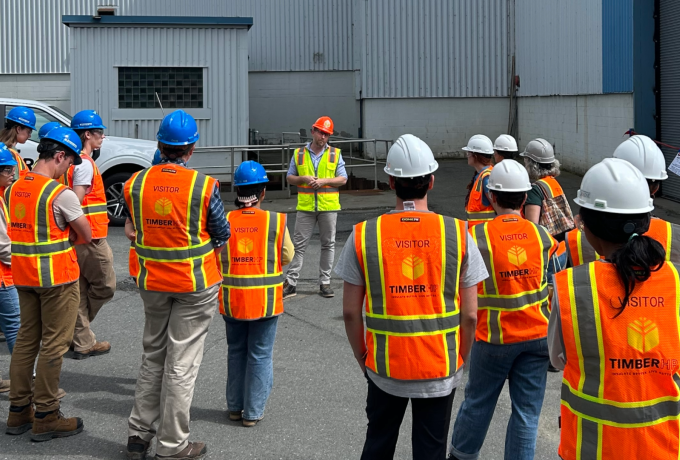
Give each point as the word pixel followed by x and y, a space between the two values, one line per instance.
pixel 525 365
pixel 10 318
pixel 250 367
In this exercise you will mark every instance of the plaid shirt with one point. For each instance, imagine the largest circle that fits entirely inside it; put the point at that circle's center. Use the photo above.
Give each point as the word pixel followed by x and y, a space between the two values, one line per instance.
pixel 217 224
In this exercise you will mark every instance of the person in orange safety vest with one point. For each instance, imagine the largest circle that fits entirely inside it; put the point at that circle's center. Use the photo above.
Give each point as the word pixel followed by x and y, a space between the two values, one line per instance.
pixel 480 152
pixel 417 272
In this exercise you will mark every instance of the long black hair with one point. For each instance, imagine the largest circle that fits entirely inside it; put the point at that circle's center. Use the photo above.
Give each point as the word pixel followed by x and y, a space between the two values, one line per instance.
pixel 639 256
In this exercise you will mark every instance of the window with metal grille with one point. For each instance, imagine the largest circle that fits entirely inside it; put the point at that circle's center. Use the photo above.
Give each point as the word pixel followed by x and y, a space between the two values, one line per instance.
pixel 177 87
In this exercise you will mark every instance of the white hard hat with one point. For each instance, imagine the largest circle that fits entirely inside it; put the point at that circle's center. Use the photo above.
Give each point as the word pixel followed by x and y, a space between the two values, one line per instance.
pixel 643 153
pixel 409 156
pixel 614 186
pixel 509 176
pixel 505 143
pixel 539 150
pixel 479 143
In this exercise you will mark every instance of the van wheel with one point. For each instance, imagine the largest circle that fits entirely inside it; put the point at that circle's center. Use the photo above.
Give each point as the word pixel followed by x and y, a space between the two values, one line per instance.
pixel 113 185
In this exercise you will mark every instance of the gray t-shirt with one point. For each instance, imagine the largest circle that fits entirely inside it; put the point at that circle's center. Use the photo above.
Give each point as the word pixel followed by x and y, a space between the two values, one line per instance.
pixel 473 271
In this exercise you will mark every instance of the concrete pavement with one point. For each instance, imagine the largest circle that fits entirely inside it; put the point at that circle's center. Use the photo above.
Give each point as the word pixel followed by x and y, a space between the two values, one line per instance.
pixel 316 409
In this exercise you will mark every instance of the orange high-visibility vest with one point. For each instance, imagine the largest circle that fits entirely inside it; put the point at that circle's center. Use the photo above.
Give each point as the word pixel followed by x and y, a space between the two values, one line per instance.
pixel 252 284
pixel 621 385
pixel 476 212
pixel 411 263
pixel 94 203
pixel 581 252
pixel 133 263
pixel 21 164
pixel 6 270
pixel 513 301
pixel 42 255
pixel 169 205
pixel 553 187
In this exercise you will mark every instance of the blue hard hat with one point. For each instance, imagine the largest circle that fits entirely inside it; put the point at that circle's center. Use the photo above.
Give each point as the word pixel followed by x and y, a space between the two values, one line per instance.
pixel 6 157
pixel 249 173
pixel 69 139
pixel 47 127
pixel 23 116
pixel 87 119
pixel 178 128
pixel 156 158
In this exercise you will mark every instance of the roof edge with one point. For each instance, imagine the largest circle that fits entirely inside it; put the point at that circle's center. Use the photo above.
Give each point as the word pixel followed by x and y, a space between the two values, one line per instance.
pixel 78 20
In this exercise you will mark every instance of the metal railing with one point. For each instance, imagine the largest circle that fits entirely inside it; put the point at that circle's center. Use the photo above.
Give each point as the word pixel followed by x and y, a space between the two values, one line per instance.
pixel 287 150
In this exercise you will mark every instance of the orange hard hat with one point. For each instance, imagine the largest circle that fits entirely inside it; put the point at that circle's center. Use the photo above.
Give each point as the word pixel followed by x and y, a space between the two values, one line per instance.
pixel 324 124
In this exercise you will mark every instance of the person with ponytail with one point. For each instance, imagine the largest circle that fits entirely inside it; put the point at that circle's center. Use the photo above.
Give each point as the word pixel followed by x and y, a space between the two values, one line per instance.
pixel 478 208
pixel 251 298
pixel 19 125
pixel 614 328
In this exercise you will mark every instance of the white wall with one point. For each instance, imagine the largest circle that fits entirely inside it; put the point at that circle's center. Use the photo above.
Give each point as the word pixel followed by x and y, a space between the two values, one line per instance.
pixel 583 129
pixel 445 124
pixel 288 101
pixel 53 89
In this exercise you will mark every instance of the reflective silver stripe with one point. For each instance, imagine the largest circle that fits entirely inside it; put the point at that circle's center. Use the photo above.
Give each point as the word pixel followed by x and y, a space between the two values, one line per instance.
pixel 479 233
pixel 301 156
pixel 570 256
pixel 328 190
pixel 380 358
pixel 197 265
pixel 480 215
pixel 546 241
pixel 230 281
pixel 513 303
pixel 585 322
pixel 674 252
pixel 411 326
pixel 195 204
pixel 143 273
pixel 135 194
pixel 545 309
pixel 547 191
pixel 43 212
pixel 174 254
pixel 45 272
pixel 588 252
pixel 40 249
pixel 452 345
pixel 273 251
pixel 452 273
pixel 589 440
pixel 494 324
pixel 372 264
pixel 95 208
pixel 620 415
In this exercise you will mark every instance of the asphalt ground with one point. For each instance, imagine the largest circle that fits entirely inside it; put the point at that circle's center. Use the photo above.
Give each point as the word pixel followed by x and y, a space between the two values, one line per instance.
pixel 316 409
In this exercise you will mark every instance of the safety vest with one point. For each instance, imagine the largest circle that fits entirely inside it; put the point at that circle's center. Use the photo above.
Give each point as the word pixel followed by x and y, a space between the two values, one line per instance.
pixel 621 387
pixel 42 255
pixel 551 185
pixel 476 212
pixel 22 169
pixel 252 274
pixel 581 252
pixel 411 263
pixel 169 205
pixel 94 203
pixel 6 270
pixel 513 301
pixel 326 198
pixel 133 262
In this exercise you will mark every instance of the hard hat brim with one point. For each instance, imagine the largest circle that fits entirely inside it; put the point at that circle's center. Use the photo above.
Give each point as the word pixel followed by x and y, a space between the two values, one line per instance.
pixel 252 182
pixel 585 204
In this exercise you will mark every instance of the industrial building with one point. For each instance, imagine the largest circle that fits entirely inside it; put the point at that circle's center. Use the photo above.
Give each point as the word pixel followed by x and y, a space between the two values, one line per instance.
pixel 579 73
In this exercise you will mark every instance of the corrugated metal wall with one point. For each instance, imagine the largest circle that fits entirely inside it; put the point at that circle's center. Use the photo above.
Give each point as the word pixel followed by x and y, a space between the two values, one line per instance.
pixel 286 35
pixel 222 51
pixel 435 48
pixel 669 41
pixel 559 47
pixel 617 46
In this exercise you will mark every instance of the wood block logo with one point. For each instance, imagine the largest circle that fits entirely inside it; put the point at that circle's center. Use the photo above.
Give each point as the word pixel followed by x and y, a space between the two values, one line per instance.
pixel 20 211
pixel 245 245
pixel 517 255
pixel 327 124
pixel 412 267
pixel 163 206
pixel 643 335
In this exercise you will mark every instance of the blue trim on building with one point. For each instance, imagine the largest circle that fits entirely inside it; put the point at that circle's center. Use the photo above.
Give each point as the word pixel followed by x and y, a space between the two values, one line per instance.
pixel 644 74
pixel 157 21
pixel 617 46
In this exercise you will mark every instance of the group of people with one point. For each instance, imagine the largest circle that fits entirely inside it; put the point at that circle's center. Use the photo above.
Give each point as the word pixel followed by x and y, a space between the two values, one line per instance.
pixel 517 286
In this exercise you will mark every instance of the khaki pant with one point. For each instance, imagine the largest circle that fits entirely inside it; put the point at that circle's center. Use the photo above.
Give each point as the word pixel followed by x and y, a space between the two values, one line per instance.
pixel 304 227
pixel 97 286
pixel 47 316
pixel 174 333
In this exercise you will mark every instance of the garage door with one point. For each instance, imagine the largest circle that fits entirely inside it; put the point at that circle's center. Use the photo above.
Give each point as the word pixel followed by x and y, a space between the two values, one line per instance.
pixel 669 42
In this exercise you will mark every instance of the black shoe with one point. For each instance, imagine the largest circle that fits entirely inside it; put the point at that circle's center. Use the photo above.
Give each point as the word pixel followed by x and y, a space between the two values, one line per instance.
pixel 326 291
pixel 136 448
pixel 552 368
pixel 288 290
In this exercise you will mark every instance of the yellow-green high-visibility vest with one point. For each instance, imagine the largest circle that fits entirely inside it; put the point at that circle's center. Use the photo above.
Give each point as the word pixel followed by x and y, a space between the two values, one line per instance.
pixel 326 198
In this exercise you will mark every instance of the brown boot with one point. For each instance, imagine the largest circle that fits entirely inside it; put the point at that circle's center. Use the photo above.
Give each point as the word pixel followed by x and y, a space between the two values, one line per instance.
pixel 99 348
pixel 20 419
pixel 193 451
pixel 4 386
pixel 54 425
pixel 136 448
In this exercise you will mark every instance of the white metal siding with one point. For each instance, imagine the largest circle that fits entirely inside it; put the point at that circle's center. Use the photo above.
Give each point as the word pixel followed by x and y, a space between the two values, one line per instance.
pixel 435 48
pixel 97 51
pixel 559 47
pixel 286 34
pixel 670 89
